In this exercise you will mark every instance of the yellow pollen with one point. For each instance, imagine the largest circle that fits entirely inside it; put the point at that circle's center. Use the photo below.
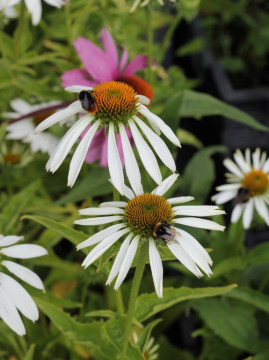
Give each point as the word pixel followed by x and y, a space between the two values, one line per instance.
pixel 142 212
pixel 115 101
pixel 12 158
pixel 256 181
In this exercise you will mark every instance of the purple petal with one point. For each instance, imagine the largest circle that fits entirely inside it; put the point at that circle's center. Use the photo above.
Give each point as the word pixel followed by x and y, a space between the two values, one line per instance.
pixel 124 59
pixel 94 59
pixel 139 62
pixel 111 51
pixel 77 77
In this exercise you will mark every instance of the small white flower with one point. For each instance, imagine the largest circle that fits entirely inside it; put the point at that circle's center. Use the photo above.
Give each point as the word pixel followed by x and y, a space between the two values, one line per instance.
pixel 7 6
pixel 13 297
pixel 115 106
pixel 248 185
pixel 24 129
pixel 35 8
pixel 147 217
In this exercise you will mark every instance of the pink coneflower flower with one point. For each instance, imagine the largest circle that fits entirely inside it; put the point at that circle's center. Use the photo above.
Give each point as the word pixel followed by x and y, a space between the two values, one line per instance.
pixel 101 66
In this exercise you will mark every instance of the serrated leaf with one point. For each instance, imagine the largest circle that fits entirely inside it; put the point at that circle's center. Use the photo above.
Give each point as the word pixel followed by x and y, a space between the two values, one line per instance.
pixel 148 305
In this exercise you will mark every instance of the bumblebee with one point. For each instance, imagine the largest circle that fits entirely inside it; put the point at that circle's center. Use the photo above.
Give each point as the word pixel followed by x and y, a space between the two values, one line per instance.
pixel 164 231
pixel 243 195
pixel 87 101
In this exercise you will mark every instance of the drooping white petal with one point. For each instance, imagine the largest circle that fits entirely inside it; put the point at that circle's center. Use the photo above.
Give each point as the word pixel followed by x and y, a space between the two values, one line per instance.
pixel 184 258
pixel 165 185
pixel 265 167
pixel 98 220
pixel 165 129
pixel 156 268
pixel 72 109
pixel 196 210
pixel 233 168
pixel 180 199
pixel 9 313
pixel 262 209
pixel 65 145
pixel 241 162
pixel 24 251
pixel 119 259
pixel 225 187
pixel 224 196
pixel 158 145
pixel 114 204
pixel 131 166
pixel 256 159
pixel 248 213
pixel 127 192
pixel 146 155
pixel 237 212
pixel 35 9
pixel 80 154
pixel 101 211
pixel 143 99
pixel 127 262
pixel 195 243
pixel 20 297
pixel 9 240
pixel 114 162
pixel 21 106
pixel 102 247
pixel 78 88
pixel 199 223
pixel 24 274
pixel 96 238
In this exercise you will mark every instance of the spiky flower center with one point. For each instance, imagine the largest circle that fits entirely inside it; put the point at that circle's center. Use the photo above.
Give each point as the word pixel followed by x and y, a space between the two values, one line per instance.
pixel 115 101
pixel 12 158
pixel 256 181
pixel 143 211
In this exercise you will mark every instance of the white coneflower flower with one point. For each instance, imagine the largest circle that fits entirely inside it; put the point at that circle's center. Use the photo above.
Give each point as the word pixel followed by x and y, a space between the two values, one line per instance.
pixel 13 297
pixel 7 7
pixel 147 217
pixel 248 186
pixel 143 3
pixel 113 105
pixel 35 8
pixel 24 129
pixel 150 349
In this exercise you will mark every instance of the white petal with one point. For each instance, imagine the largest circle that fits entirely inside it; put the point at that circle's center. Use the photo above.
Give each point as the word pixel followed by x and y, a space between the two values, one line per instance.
pixel 196 210
pixel 156 268
pixel 196 243
pixel 199 223
pixel 80 154
pixel 180 199
pixel 233 186
pixel 119 259
pixel 165 185
pixel 158 145
pixel 20 297
pixel 98 220
pixel 114 162
pixel 143 99
pixel 233 168
pixel 262 209
pixel 132 169
pixel 96 238
pixel 9 313
pixel 9 240
pixel 21 106
pixel 237 212
pixel 127 192
pixel 146 155
pixel 101 211
pixel 127 262
pixel 265 167
pixel 256 159
pixel 248 214
pixel 35 9
pixel 24 251
pixel 24 274
pixel 114 204
pixel 224 196
pixel 165 129
pixel 102 247
pixel 65 145
pixel 184 258
pixel 78 88
pixel 72 109
pixel 241 162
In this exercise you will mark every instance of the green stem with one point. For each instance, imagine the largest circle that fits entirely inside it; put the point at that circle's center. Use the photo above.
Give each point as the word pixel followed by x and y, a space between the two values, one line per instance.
pixel 150 43
pixel 69 30
pixel 119 302
pixel 167 38
pixel 141 261
pixel 19 32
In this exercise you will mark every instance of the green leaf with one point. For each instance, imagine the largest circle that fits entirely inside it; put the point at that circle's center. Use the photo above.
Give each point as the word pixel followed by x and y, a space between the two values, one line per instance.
pixel 234 323
pixel 149 304
pixel 101 313
pixel 228 265
pixel 15 206
pixel 145 335
pixel 259 255
pixel 52 299
pixel 252 297
pixel 30 353
pixel 191 47
pixel 188 138
pixel 188 103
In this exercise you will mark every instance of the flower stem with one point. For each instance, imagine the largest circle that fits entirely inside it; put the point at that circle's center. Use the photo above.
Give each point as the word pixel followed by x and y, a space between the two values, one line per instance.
pixel 141 261
pixel 150 43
